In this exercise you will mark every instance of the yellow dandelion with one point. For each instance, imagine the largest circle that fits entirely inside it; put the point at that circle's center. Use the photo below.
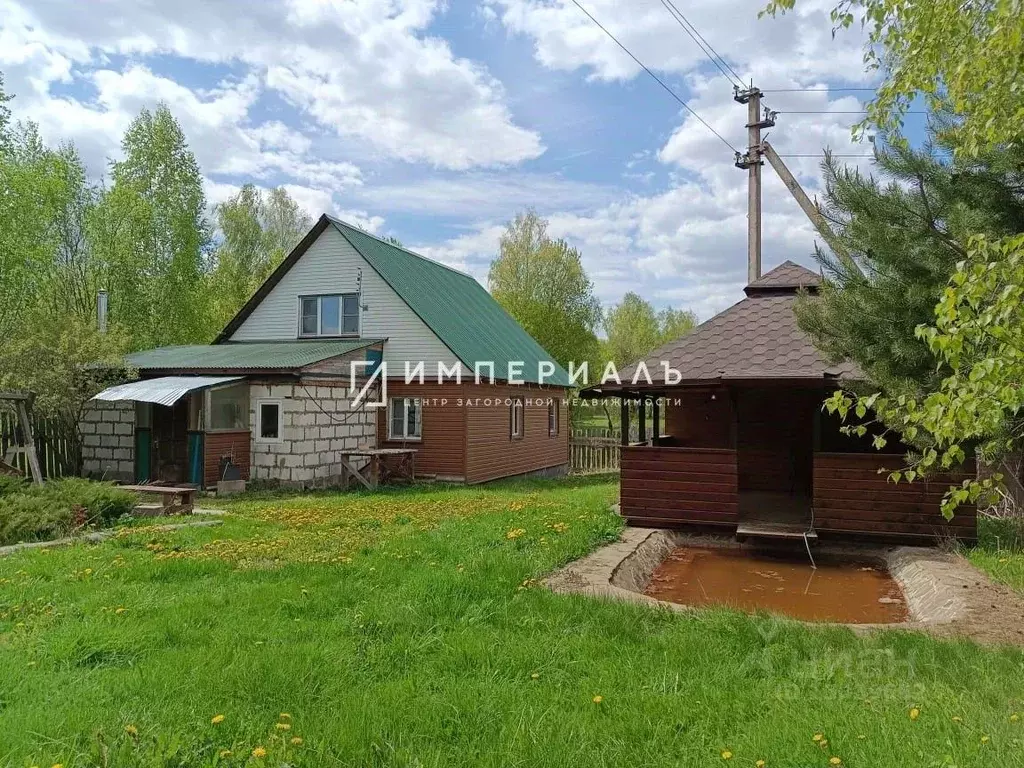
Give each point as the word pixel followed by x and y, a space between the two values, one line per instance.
pixel 225 754
pixel 760 764
pixel 915 713
pixel 1014 717
pixel 285 716
pixel 598 699
pixel 818 737
pixel 535 676
pixel 119 611
pixel 217 719
pixel 259 752
pixel 726 754
pixel 283 726
pixel 131 730
pixel 56 765
pixel 835 761
pixel 984 739
pixel 296 741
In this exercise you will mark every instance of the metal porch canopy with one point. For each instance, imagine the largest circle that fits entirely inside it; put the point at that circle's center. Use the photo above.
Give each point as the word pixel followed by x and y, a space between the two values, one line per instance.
pixel 166 390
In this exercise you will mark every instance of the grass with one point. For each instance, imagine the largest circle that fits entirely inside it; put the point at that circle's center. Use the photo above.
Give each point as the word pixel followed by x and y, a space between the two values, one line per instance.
pixel 1000 550
pixel 407 629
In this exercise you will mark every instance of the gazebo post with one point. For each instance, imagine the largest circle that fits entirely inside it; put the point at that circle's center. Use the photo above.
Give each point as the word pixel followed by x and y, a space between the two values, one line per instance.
pixel 624 404
pixel 641 410
pixel 656 418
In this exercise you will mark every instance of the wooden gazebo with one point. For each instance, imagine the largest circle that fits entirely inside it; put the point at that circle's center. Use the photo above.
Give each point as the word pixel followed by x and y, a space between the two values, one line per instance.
pixel 741 442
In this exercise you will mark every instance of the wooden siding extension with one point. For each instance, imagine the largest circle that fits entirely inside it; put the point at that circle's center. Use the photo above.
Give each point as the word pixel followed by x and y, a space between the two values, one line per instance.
pixel 234 443
pixel 700 417
pixel 441 451
pixel 492 452
pixel 666 487
pixel 852 498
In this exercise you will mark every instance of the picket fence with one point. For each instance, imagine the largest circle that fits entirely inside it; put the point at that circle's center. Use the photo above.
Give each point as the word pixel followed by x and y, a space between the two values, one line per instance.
pixel 55 449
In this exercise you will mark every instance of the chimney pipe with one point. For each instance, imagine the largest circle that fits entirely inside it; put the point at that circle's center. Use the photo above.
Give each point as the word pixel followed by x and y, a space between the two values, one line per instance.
pixel 101 311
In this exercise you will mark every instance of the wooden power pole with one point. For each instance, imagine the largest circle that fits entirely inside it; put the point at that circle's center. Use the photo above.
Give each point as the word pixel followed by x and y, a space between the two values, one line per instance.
pixel 752 163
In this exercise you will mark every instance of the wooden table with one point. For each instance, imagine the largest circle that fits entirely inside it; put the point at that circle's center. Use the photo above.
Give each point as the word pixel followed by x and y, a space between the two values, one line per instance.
pixel 168 494
pixel 404 467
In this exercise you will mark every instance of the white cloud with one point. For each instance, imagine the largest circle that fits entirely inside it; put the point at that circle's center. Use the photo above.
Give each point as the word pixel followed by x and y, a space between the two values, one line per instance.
pixel 365 71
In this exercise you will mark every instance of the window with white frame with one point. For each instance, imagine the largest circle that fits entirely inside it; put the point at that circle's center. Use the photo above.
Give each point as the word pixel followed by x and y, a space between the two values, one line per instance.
pixel 516 418
pixel 405 419
pixel 268 421
pixel 553 418
pixel 329 315
pixel 228 407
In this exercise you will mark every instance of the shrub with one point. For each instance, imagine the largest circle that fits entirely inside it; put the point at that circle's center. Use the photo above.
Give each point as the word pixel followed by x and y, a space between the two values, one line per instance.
pixel 10 484
pixel 32 517
pixel 32 512
pixel 103 502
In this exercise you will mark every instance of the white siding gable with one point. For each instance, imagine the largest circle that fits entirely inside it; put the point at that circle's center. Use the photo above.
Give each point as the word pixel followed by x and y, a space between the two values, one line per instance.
pixel 330 265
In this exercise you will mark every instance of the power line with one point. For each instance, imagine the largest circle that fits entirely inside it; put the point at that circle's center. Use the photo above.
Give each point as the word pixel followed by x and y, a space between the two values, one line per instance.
pixel 703 44
pixel 833 154
pixel 657 79
pixel 840 112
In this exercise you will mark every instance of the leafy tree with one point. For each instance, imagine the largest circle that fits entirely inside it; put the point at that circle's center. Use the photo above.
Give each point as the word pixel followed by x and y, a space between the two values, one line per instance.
pixel 257 232
pixel 151 232
pixel 906 228
pixel 542 284
pixel 634 329
pixel 977 334
pixel 965 54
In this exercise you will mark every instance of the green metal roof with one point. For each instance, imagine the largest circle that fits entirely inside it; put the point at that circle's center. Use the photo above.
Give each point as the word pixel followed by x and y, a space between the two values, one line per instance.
pixel 455 307
pixel 275 355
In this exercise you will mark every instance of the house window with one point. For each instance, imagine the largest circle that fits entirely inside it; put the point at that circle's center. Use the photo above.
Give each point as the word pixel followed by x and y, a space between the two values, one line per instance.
pixel 405 421
pixel 516 418
pixel 553 418
pixel 330 315
pixel 229 407
pixel 268 420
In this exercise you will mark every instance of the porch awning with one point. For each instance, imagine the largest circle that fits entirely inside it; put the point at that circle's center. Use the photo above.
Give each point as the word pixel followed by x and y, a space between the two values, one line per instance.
pixel 167 390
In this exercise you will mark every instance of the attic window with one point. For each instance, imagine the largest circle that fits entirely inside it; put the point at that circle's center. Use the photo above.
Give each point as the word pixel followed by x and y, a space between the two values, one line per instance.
pixel 334 314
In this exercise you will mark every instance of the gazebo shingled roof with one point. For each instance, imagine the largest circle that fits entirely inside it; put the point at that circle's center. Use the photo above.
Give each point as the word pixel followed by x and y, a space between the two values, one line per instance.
pixel 757 338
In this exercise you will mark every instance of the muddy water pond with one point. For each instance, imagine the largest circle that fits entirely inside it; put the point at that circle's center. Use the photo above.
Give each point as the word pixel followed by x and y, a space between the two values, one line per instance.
pixel 840 589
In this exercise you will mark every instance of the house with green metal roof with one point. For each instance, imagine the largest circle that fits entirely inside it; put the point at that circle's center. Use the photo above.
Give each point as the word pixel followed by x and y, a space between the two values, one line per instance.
pixel 353 345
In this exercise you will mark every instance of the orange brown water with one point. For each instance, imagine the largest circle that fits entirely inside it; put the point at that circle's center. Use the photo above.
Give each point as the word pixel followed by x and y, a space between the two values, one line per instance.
pixel 843 590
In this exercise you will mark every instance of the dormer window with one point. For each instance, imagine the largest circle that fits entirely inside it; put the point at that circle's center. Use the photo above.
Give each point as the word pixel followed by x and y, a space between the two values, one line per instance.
pixel 335 314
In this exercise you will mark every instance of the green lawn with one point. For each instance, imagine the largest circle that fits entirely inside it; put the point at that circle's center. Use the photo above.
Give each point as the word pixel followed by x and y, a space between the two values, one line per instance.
pixel 406 629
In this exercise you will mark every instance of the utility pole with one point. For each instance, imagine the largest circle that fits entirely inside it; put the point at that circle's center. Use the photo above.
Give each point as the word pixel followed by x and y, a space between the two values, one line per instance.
pixel 751 162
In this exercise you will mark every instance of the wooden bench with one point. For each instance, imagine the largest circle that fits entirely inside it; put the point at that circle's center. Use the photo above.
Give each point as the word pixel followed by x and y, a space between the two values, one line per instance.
pixel 185 497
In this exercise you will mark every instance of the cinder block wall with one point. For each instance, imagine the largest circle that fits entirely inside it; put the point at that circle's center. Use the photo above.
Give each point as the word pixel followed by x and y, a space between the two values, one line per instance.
pixel 108 440
pixel 318 423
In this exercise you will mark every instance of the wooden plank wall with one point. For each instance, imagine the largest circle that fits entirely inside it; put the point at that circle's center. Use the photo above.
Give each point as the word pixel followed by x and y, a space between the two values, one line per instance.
pixel 442 449
pixel 665 487
pixel 234 443
pixel 492 452
pixel 851 497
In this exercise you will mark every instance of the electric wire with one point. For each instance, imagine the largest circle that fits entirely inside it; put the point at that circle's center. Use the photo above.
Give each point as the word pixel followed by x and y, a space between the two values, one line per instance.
pixel 716 58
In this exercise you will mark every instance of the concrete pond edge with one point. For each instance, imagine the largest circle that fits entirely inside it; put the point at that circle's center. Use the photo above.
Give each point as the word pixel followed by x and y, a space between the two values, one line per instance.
pixel 933 582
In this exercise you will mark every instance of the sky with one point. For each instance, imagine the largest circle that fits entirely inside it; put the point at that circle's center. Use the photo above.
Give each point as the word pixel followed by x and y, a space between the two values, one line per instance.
pixel 437 122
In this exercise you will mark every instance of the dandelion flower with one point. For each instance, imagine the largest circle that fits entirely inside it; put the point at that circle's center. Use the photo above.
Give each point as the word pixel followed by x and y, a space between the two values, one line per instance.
pixel 598 699
pixel 759 764
pixel 285 716
pixel 1014 717
pixel 984 739
pixel 915 713
pixel 56 765
pixel 296 741
pixel 535 676
pixel 225 753
pixel 259 752
pixel 726 754
pixel 283 726
pixel 957 719
pixel 131 730
pixel 835 761
pixel 817 737
pixel 217 719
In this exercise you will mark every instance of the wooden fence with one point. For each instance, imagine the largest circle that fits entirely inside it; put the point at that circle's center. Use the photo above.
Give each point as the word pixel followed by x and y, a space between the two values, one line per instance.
pixel 55 449
pixel 593 450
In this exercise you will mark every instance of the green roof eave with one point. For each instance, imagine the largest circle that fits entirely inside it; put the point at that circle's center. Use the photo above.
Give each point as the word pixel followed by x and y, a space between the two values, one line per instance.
pixel 236 356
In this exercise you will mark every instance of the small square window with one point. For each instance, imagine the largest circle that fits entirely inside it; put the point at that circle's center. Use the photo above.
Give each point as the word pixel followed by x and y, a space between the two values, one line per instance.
pixel 269 420
pixel 405 421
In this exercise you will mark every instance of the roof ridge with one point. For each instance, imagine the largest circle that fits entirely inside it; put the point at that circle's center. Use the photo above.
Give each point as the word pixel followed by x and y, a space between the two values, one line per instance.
pixel 340 222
